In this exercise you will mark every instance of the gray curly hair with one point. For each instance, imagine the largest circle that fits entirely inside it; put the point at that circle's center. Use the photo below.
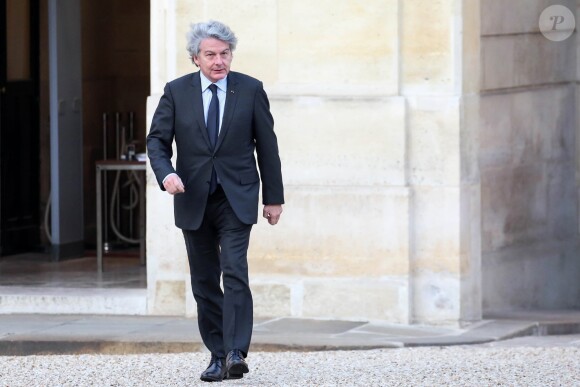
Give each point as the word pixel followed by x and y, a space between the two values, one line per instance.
pixel 209 29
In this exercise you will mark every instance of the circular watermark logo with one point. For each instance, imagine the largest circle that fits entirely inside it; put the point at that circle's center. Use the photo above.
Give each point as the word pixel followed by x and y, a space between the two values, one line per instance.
pixel 557 23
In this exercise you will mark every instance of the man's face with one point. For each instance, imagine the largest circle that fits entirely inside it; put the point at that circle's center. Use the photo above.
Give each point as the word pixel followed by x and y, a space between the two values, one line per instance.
pixel 214 59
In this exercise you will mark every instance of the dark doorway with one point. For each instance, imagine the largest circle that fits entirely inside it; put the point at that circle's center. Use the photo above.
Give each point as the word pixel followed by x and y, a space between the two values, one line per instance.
pixel 19 126
pixel 115 48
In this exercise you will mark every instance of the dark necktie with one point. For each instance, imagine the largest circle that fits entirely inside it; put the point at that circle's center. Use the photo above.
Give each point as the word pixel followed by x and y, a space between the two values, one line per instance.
pixel 213 124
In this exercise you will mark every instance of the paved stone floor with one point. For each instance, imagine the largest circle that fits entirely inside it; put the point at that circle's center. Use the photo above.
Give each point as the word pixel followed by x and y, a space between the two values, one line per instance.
pixel 571 341
pixel 122 270
pixel 26 334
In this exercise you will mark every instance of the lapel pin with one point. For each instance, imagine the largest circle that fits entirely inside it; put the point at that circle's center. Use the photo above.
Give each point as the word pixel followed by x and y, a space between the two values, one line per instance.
pixel 231 91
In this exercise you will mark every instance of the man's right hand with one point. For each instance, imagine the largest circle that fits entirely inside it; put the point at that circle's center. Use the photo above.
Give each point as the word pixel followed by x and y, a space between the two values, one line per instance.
pixel 173 184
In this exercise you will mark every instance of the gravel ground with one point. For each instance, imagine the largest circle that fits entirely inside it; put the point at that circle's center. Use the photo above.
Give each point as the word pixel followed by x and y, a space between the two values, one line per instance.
pixel 450 366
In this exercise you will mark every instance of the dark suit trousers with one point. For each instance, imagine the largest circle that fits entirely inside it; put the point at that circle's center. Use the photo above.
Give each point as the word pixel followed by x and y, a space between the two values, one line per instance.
pixel 219 246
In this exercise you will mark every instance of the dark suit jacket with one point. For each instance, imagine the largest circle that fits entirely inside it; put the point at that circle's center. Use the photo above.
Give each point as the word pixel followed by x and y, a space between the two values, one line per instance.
pixel 247 126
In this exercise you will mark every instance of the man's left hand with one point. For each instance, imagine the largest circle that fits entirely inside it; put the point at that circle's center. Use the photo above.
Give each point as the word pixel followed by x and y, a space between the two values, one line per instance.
pixel 272 212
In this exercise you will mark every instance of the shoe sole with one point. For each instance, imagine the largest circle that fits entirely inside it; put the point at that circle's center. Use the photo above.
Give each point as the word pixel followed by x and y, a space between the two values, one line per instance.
pixel 210 380
pixel 239 368
pixel 234 376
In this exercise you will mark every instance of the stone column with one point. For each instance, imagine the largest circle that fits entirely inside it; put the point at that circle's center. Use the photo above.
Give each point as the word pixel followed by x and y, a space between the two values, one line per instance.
pixel 578 110
pixel 168 286
pixel 529 160
pixel 66 129
pixel 440 83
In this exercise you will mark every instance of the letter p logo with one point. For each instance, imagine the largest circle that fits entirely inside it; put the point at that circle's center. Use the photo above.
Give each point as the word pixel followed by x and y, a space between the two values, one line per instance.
pixel 557 23
pixel 557 20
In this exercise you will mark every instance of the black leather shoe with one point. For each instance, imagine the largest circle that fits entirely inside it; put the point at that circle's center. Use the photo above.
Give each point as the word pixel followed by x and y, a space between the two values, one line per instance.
pixel 235 363
pixel 216 371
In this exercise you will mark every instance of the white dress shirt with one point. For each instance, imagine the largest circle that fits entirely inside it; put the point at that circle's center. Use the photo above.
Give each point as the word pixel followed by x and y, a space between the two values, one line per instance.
pixel 222 86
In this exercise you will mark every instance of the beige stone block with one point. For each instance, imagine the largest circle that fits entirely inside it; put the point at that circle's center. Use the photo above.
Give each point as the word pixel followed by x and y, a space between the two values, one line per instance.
pixel 152 102
pixel 471 45
pixel 61 300
pixel 470 239
pixel 190 304
pixel 427 47
pixel 529 194
pixel 498 62
pixel 470 139
pixel 341 142
pixel 436 232
pixel 578 144
pixel 167 265
pixel 436 298
pixel 434 140
pixel 540 275
pixel 543 122
pixel 470 252
pixel 514 205
pixel 158 47
pixel 169 298
pixel 522 60
pixel 577 43
pixel 165 246
pixel 335 231
pixel 338 42
pixel 528 126
pixel 255 23
pixel 562 214
pixel 578 129
pixel 496 123
pixel 169 23
pixel 357 299
pixel 271 299
pixel 164 241
pixel 180 16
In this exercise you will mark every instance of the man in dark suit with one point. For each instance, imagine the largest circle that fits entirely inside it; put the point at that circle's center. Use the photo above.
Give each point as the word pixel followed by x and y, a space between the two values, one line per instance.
pixel 218 119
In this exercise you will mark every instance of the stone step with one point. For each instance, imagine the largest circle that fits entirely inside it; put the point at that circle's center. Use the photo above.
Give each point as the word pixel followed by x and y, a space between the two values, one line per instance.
pixel 44 300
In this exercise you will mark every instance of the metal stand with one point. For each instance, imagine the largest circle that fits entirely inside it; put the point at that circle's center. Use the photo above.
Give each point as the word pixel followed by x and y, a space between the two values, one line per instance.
pixel 114 165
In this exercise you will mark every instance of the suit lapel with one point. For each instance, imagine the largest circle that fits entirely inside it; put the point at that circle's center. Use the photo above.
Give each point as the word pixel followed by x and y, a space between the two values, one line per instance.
pixel 231 100
pixel 198 107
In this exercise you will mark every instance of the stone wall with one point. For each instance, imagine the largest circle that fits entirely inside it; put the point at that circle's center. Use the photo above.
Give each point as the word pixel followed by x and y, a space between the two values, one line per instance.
pixel 528 159
pixel 376 109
